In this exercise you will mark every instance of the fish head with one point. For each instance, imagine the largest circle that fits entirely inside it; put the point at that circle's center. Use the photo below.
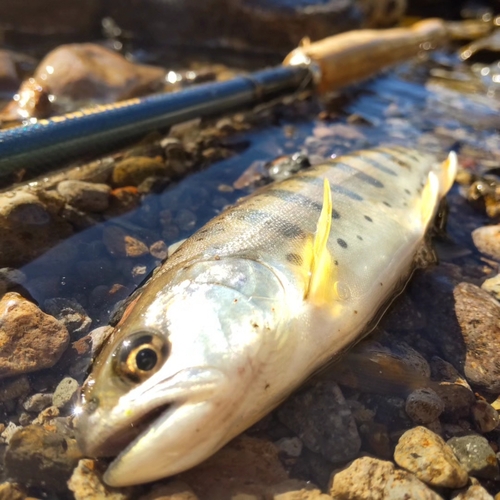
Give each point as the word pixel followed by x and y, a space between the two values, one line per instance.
pixel 174 382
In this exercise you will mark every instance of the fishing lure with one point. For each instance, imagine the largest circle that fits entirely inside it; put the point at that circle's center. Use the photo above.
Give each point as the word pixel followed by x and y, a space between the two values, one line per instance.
pixel 254 303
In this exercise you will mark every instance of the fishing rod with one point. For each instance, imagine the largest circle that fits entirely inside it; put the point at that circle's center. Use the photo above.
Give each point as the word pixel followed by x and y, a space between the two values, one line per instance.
pixel 326 65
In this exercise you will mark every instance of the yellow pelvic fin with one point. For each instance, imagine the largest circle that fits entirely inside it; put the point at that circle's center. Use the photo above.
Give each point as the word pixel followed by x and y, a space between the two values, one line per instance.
pixel 320 287
pixel 430 198
pixel 448 173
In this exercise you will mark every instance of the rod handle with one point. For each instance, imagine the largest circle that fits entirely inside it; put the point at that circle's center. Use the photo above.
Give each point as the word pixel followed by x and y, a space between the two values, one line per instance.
pixel 353 56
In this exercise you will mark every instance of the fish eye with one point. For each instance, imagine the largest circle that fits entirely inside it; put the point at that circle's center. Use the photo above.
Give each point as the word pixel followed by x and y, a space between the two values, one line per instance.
pixel 141 355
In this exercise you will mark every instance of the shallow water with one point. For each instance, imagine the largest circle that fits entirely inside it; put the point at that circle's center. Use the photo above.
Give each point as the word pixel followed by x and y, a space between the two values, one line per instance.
pixel 397 108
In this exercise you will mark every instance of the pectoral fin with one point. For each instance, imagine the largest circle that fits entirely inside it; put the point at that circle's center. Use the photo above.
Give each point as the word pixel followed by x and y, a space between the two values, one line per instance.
pixel 319 290
pixel 430 198
pixel 448 173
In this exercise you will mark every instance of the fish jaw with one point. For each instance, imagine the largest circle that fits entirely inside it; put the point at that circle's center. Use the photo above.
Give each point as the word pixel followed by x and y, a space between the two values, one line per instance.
pixel 145 413
pixel 168 447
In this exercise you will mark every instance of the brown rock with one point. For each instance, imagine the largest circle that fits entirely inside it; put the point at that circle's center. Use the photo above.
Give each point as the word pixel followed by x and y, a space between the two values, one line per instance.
pixel 50 17
pixel 371 479
pixel 29 339
pixel 37 456
pixel 90 71
pixel 246 465
pixel 28 227
pixel 133 171
pixel 295 490
pixel 14 388
pixel 474 492
pixel 485 416
pixel 9 491
pixel 121 244
pixel 86 196
pixel 479 317
pixel 9 79
pixel 86 484
pixel 176 490
pixel 487 240
pixel 426 454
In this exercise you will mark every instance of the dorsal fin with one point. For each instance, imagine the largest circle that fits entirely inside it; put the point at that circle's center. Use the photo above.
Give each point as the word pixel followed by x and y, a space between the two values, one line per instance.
pixel 320 281
pixel 430 198
pixel 448 173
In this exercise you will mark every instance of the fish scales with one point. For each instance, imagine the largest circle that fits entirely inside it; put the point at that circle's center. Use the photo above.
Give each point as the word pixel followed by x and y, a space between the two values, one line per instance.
pixel 252 304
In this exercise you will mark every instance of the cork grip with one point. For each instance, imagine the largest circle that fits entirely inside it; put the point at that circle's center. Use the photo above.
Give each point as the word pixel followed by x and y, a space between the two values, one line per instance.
pixel 353 56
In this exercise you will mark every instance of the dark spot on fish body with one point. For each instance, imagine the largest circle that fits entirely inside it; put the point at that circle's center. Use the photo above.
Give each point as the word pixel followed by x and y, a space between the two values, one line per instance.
pixel 407 191
pixel 387 204
pixel 342 242
pixel 375 164
pixel 362 176
pixel 335 214
pixel 294 258
pixel 336 188
pixel 292 197
pixel 369 219
pixel 266 387
pixel 359 237
pixel 336 262
pixel 355 312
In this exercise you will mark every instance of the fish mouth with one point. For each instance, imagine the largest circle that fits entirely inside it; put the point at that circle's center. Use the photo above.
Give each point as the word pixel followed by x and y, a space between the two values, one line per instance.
pixel 117 442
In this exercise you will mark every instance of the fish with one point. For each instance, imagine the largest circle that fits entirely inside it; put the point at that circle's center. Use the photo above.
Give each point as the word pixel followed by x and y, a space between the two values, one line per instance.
pixel 253 304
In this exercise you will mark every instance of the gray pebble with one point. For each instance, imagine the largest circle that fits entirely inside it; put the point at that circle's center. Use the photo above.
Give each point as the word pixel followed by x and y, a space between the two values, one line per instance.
pixel 85 196
pixel 485 416
pixel 71 314
pixel 323 421
pixel 37 402
pixel 65 392
pixel 185 219
pixel 159 250
pixel 424 406
pixel 9 431
pixel 476 455
pixel 290 446
pixel 14 388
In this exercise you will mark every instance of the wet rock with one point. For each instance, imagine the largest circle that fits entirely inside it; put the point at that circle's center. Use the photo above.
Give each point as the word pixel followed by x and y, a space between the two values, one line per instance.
pixel 66 392
pixel 46 416
pixel 426 455
pixel 51 17
pixel 9 491
pixel 479 317
pixel 424 406
pixel 290 446
pixel 37 402
pixel 29 339
pixel 376 437
pixel 485 416
pixel 36 456
pixel 9 79
pixel 86 484
pixel 99 336
pixel 177 490
pixel 86 196
pixel 14 388
pixel 185 219
pixel 123 200
pixel 33 101
pixel 71 314
pixel 452 388
pixel 159 250
pixel 323 421
pixel 294 490
pixel 492 286
pixel 475 455
pixel 28 227
pixel 371 479
pixel 474 492
pixel 9 431
pixel 250 24
pixel 246 465
pixel 487 240
pixel 432 290
pixel 121 244
pixel 88 71
pixel 133 171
